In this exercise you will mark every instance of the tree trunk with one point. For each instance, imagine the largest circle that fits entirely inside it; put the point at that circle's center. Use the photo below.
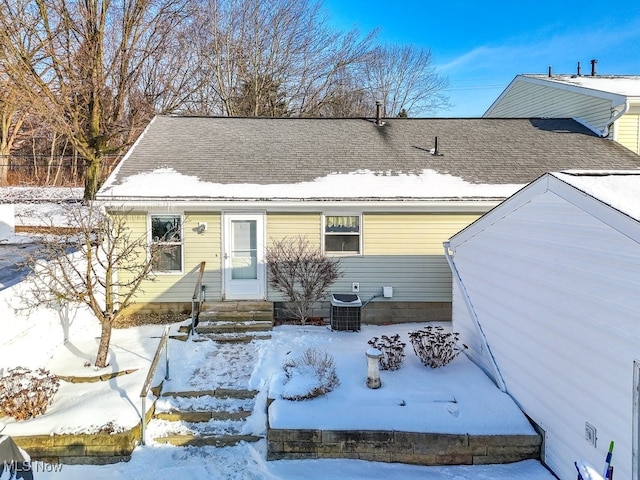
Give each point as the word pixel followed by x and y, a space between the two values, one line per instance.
pixel 105 340
pixel 4 169
pixel 92 178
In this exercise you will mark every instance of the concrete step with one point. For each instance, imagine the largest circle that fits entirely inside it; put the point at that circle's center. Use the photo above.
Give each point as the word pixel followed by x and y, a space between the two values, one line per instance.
pixel 206 440
pixel 199 417
pixel 233 327
pixel 239 306
pixel 218 392
pixel 235 316
pixel 235 337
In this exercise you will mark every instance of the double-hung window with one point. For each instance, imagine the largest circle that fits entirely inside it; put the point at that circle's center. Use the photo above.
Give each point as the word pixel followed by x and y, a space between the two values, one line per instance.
pixel 342 234
pixel 166 243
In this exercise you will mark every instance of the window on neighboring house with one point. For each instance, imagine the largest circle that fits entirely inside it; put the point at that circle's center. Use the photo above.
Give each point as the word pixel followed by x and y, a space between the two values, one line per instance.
pixel 342 234
pixel 166 243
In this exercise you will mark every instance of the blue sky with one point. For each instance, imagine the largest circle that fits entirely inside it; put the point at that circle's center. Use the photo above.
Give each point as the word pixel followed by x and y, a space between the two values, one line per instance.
pixel 482 45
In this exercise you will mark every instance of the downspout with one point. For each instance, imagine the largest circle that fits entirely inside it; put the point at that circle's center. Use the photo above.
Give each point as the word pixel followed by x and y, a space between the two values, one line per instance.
pixel 467 301
pixel 624 110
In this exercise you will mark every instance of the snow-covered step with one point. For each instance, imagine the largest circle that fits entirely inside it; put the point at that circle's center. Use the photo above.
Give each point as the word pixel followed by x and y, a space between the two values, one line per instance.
pixel 234 337
pixel 224 326
pixel 203 418
pixel 255 315
pixel 207 440
pixel 217 433
pixel 203 408
pixel 221 393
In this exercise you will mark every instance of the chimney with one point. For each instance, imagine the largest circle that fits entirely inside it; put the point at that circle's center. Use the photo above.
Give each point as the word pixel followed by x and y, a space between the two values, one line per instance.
pixel 594 62
pixel 579 69
pixel 378 113
pixel 549 71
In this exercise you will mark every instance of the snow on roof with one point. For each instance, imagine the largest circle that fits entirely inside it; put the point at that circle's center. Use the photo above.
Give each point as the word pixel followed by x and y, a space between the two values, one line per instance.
pixel 619 189
pixel 167 183
pixel 625 85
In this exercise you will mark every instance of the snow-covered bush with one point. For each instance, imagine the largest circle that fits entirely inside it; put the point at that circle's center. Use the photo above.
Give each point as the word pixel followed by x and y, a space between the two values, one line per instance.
pixel 434 346
pixel 309 376
pixel 392 351
pixel 26 393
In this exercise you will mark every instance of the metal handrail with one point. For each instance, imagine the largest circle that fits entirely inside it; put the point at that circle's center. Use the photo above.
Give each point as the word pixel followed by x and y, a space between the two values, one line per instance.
pixel 152 370
pixel 198 296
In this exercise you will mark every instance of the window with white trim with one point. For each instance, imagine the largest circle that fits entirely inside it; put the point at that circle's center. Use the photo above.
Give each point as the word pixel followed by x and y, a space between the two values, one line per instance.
pixel 342 234
pixel 166 242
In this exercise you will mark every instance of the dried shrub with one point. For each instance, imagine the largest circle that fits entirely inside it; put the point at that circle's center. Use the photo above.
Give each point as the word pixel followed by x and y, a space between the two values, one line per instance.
pixel 392 351
pixel 434 346
pixel 311 375
pixel 27 393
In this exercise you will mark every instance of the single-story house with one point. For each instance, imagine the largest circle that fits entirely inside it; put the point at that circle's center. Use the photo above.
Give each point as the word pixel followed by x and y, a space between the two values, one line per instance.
pixel 546 298
pixel 607 104
pixel 382 194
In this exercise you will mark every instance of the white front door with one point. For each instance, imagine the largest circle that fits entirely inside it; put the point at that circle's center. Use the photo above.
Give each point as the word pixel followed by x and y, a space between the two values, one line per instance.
pixel 244 268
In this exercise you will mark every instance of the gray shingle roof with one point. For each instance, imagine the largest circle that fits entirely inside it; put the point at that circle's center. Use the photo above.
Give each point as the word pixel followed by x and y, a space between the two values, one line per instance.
pixel 290 150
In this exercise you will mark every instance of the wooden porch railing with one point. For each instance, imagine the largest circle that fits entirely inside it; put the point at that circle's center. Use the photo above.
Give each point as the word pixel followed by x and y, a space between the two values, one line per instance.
pixel 197 298
pixel 164 344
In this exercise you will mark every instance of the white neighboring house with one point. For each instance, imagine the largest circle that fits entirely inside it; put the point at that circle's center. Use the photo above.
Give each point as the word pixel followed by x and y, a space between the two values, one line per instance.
pixel 546 296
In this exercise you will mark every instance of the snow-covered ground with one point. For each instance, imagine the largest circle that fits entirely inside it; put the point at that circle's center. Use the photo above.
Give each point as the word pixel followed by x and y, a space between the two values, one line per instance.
pixel 455 398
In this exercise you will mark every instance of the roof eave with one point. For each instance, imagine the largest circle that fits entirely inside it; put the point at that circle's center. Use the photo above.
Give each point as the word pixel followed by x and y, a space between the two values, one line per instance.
pixel 444 204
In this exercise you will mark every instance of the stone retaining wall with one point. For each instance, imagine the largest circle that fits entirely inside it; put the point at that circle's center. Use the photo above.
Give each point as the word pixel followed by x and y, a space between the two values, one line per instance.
pixel 96 449
pixel 403 447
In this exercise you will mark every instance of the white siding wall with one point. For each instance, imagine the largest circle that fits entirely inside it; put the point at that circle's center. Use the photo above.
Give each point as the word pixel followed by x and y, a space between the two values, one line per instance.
pixel 557 294
pixel 533 100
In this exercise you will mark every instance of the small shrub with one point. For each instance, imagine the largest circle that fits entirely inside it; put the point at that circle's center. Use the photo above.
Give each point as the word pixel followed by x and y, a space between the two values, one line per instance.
pixel 434 346
pixel 311 375
pixel 392 351
pixel 27 393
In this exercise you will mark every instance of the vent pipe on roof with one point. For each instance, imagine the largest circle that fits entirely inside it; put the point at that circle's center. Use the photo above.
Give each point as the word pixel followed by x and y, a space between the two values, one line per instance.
pixel 594 62
pixel 435 151
pixel 549 70
pixel 378 113
pixel 579 69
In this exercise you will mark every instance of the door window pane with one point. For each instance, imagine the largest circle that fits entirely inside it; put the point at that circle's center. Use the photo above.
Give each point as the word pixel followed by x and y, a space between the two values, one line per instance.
pixel 244 253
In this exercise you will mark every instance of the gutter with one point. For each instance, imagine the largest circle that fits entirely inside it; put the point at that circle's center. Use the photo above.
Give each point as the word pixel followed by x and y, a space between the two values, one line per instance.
pixel 615 117
pixel 456 275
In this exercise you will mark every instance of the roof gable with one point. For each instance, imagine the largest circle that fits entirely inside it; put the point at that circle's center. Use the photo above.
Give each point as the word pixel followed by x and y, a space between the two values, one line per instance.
pixel 610 196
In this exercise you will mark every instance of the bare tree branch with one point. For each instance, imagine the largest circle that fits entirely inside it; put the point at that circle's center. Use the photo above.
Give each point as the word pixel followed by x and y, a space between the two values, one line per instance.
pixel 102 266
pixel 301 273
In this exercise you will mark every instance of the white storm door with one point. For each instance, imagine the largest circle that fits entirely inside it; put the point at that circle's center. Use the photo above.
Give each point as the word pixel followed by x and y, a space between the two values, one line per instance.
pixel 244 267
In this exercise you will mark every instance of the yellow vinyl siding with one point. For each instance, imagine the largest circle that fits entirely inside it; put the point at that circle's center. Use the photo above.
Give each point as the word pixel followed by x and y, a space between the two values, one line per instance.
pixel 410 234
pixel 280 225
pixel 526 100
pixel 136 223
pixel 179 287
pixel 628 131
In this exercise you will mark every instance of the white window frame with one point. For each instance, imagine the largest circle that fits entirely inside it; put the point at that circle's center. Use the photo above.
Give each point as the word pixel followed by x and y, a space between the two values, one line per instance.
pixel 181 243
pixel 325 234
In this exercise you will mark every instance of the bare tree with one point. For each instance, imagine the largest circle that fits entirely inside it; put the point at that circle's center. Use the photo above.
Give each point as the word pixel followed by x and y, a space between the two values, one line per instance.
pixel 301 273
pixel 81 66
pixel 405 80
pixel 13 113
pixel 258 51
pixel 102 265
